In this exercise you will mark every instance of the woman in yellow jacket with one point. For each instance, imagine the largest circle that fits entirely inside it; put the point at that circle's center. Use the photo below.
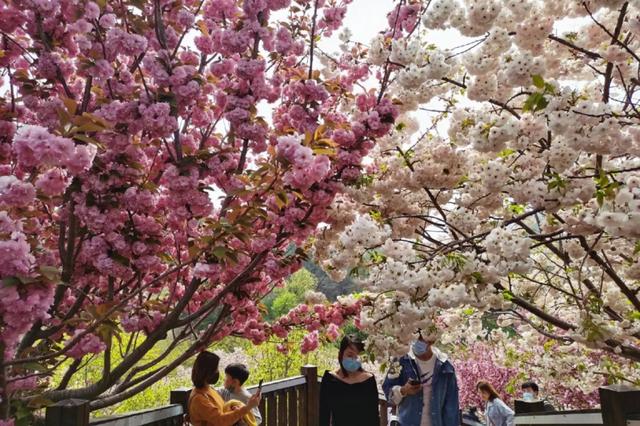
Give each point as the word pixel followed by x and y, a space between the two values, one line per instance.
pixel 206 406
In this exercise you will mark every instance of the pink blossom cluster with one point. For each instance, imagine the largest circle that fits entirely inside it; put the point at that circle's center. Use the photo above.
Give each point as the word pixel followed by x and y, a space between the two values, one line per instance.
pixel 119 42
pixel 21 307
pixel 477 363
pixel 14 248
pixel 88 344
pixel 307 168
pixel 309 342
pixel 145 321
pixel 35 147
pixel 157 119
pixel 332 19
pixel 317 319
pixel 486 361
pixel 14 192
pixel 403 17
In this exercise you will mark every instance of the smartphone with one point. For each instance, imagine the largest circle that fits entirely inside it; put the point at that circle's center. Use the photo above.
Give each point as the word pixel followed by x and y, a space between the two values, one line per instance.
pixel 260 385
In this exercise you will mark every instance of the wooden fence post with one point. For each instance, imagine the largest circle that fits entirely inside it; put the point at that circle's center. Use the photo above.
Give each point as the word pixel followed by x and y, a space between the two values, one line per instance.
pixel 181 396
pixel 69 412
pixel 617 402
pixel 312 389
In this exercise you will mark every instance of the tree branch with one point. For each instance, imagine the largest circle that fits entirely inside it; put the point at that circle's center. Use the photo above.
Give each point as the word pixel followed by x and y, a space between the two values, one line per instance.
pixel 313 38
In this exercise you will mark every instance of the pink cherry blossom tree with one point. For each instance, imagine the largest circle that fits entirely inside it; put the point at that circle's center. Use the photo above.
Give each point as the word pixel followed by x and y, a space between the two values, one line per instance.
pixel 162 164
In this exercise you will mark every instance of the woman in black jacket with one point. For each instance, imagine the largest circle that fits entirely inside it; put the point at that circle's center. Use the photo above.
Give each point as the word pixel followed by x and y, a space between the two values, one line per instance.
pixel 349 395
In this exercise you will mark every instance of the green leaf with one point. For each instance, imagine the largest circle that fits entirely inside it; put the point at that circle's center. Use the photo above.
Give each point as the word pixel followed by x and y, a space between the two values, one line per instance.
pixel 505 153
pixel 557 182
pixel 22 414
pixel 232 257
pixel 34 366
pixel 51 273
pixel 535 102
pixel 358 271
pixel 87 139
pixel 516 208
pixel 10 281
pixel 571 36
pixel 468 311
pixel 538 81
pixel 281 200
pixel 220 252
pixel 549 89
pixel 324 151
pixel 194 251
pixel 478 277
pixel 507 295
pixel 120 259
pixel 39 402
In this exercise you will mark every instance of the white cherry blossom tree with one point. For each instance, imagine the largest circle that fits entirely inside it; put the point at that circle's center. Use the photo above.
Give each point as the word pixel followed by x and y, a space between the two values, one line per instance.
pixel 510 185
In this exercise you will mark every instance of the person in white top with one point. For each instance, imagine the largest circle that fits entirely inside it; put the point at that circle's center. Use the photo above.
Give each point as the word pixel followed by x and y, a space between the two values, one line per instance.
pixel 423 385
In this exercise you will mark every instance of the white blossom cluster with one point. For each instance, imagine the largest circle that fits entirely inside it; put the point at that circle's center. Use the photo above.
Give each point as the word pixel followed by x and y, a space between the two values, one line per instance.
pixel 529 191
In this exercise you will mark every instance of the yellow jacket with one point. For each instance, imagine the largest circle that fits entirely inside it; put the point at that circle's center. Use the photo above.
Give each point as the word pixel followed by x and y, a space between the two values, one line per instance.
pixel 207 408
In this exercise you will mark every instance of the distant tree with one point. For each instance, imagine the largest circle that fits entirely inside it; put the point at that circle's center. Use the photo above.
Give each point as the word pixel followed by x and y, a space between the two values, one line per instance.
pixel 327 286
pixel 283 299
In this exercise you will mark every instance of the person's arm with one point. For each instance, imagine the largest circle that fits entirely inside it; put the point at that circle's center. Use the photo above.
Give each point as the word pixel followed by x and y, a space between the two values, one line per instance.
pixel 506 413
pixel 391 387
pixel 451 409
pixel 244 397
pixel 257 415
pixel 209 410
pixel 213 413
pixel 325 409
pixel 373 401
pixel 223 393
pixel 547 405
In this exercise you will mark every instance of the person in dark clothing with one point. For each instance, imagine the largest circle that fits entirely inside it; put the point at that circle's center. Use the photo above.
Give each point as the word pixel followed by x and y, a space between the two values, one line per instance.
pixel 349 395
pixel 531 392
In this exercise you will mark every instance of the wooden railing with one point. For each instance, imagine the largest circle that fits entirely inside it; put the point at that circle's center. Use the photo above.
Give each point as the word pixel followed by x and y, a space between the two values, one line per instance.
pixel 295 402
pixel 620 407
pixel 289 402
pixel 574 418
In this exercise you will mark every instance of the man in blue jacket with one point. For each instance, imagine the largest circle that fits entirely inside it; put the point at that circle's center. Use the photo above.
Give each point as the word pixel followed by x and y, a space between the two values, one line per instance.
pixel 422 384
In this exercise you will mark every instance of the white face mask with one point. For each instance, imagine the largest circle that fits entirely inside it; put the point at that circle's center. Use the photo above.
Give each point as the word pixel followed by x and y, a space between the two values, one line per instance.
pixel 527 396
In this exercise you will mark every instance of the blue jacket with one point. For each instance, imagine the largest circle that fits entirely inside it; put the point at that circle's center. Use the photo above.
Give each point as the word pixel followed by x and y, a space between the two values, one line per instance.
pixel 499 414
pixel 445 408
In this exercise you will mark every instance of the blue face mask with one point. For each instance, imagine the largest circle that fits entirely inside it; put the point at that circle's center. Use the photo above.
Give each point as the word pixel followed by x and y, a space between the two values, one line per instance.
pixel 527 396
pixel 351 364
pixel 419 347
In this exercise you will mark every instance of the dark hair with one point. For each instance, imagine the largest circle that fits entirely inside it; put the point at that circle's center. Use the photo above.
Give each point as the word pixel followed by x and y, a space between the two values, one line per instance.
pixel 486 386
pixel 204 368
pixel 238 371
pixel 345 343
pixel 532 385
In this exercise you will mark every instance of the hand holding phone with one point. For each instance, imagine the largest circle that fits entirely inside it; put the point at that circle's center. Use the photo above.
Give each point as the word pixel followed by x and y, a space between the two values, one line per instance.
pixel 260 385
pixel 412 387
